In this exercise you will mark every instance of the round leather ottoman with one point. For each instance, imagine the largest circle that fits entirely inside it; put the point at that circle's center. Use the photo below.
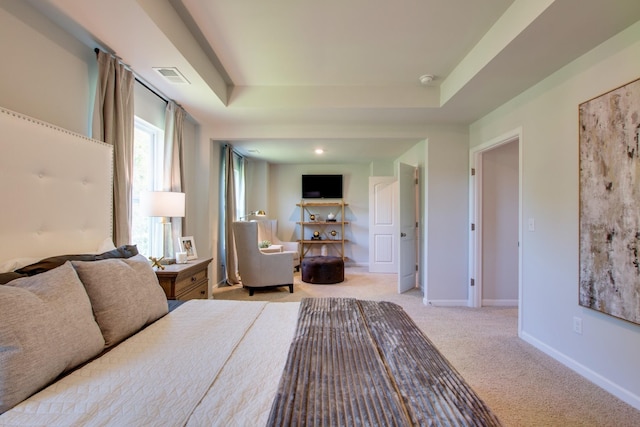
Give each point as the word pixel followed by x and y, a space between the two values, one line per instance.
pixel 323 269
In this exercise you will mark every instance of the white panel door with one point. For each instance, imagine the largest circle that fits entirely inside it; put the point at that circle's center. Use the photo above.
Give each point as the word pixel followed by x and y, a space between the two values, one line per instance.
pixel 408 230
pixel 383 224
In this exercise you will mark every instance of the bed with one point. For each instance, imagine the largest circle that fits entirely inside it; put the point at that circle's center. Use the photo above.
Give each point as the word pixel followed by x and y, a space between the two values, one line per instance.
pixel 88 338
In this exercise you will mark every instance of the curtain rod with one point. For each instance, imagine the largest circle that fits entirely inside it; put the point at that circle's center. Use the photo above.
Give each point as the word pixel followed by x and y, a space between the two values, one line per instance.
pixel 153 91
pixel 141 81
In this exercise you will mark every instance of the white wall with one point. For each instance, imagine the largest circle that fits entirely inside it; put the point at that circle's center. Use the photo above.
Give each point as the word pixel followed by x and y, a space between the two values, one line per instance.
pixel 448 222
pixel 607 350
pixel 258 186
pixel 285 191
pixel 442 161
pixel 381 168
pixel 148 106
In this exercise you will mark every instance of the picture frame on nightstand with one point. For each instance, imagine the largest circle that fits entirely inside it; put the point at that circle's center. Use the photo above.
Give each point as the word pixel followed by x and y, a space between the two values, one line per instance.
pixel 188 245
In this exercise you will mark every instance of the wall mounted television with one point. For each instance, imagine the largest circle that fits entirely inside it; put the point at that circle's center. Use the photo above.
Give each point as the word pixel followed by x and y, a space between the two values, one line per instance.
pixel 322 186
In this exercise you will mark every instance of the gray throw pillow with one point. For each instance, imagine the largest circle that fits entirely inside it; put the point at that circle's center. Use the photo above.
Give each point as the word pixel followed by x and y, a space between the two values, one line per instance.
pixel 46 328
pixel 124 293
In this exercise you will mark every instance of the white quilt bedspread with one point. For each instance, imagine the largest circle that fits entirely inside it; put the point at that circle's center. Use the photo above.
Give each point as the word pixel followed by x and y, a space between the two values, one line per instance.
pixel 206 363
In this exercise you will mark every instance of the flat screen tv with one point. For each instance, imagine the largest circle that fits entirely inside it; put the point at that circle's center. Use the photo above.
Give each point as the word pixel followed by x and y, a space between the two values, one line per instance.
pixel 322 186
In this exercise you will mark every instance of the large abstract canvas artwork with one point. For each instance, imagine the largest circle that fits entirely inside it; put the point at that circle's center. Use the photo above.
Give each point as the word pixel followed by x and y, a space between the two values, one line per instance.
pixel 610 203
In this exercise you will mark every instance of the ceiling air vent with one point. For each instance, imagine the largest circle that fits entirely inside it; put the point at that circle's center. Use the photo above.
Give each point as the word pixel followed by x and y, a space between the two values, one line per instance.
pixel 172 75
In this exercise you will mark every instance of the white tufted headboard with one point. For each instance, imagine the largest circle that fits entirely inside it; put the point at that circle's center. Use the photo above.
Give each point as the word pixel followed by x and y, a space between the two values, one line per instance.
pixel 55 189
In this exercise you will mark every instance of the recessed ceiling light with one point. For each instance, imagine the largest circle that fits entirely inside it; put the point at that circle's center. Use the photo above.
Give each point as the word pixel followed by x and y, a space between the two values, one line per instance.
pixel 319 151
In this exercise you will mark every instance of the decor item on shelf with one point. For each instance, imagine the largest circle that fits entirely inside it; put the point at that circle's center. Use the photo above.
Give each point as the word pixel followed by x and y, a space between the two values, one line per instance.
pixel 181 257
pixel 333 233
pixel 188 245
pixel 253 213
pixel 328 215
pixel 167 205
pixel 264 244
pixel 156 262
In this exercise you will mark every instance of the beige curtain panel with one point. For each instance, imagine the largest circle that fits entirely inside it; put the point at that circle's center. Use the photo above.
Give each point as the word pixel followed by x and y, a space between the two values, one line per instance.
pixel 231 260
pixel 173 160
pixel 113 123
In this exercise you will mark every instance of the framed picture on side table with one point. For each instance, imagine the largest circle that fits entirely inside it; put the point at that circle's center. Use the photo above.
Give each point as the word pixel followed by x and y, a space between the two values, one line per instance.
pixel 188 245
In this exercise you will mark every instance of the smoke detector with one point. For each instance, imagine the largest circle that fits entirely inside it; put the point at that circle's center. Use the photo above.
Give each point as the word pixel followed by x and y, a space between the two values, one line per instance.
pixel 426 79
pixel 172 75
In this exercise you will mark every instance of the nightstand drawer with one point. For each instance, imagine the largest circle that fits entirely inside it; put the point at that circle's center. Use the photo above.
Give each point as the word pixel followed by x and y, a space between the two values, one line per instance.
pixel 199 292
pixel 185 283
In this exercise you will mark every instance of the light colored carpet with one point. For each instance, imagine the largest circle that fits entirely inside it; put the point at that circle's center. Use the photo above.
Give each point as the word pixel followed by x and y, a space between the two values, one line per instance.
pixel 522 385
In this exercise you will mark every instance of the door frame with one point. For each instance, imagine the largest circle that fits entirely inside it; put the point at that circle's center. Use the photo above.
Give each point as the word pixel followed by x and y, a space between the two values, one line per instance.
pixel 475 216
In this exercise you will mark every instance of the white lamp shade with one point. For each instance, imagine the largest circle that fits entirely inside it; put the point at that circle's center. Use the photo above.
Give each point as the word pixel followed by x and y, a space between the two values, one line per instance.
pixel 162 203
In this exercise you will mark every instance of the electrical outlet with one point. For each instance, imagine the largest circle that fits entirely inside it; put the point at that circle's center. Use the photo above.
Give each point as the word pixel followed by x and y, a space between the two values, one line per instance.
pixel 577 325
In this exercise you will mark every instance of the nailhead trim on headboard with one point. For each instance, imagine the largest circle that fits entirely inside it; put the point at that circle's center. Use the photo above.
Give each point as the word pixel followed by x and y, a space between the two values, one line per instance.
pixel 56 189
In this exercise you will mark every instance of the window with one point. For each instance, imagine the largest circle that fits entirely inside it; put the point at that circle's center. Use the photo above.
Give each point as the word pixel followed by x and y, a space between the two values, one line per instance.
pixel 148 143
pixel 238 180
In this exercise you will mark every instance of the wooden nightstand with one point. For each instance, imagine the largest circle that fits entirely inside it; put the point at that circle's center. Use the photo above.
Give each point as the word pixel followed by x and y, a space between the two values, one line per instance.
pixel 185 281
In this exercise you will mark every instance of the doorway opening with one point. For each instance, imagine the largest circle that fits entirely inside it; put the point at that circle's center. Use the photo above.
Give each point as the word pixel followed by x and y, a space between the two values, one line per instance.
pixel 495 251
pixel 393 226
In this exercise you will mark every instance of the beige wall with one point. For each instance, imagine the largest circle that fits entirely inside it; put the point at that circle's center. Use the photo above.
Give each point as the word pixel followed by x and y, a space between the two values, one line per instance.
pixel 45 72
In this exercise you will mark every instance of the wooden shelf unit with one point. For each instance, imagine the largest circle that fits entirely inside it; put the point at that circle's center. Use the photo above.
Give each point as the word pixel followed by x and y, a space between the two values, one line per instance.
pixel 321 225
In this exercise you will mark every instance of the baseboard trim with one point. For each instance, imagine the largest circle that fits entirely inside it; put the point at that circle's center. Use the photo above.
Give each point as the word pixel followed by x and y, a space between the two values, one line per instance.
pixel 445 302
pixel 356 264
pixel 499 302
pixel 613 388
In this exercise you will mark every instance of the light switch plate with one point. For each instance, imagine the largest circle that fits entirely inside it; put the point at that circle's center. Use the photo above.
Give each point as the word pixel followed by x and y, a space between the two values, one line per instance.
pixel 532 224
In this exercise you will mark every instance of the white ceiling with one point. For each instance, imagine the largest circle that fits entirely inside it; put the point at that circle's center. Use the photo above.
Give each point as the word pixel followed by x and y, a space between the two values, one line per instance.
pixel 279 78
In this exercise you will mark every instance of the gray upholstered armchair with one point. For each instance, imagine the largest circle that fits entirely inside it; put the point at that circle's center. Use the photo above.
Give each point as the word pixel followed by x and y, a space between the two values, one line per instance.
pixel 268 230
pixel 257 269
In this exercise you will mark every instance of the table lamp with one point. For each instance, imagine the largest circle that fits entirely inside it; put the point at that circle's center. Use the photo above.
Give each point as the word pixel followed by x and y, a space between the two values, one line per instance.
pixel 164 204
